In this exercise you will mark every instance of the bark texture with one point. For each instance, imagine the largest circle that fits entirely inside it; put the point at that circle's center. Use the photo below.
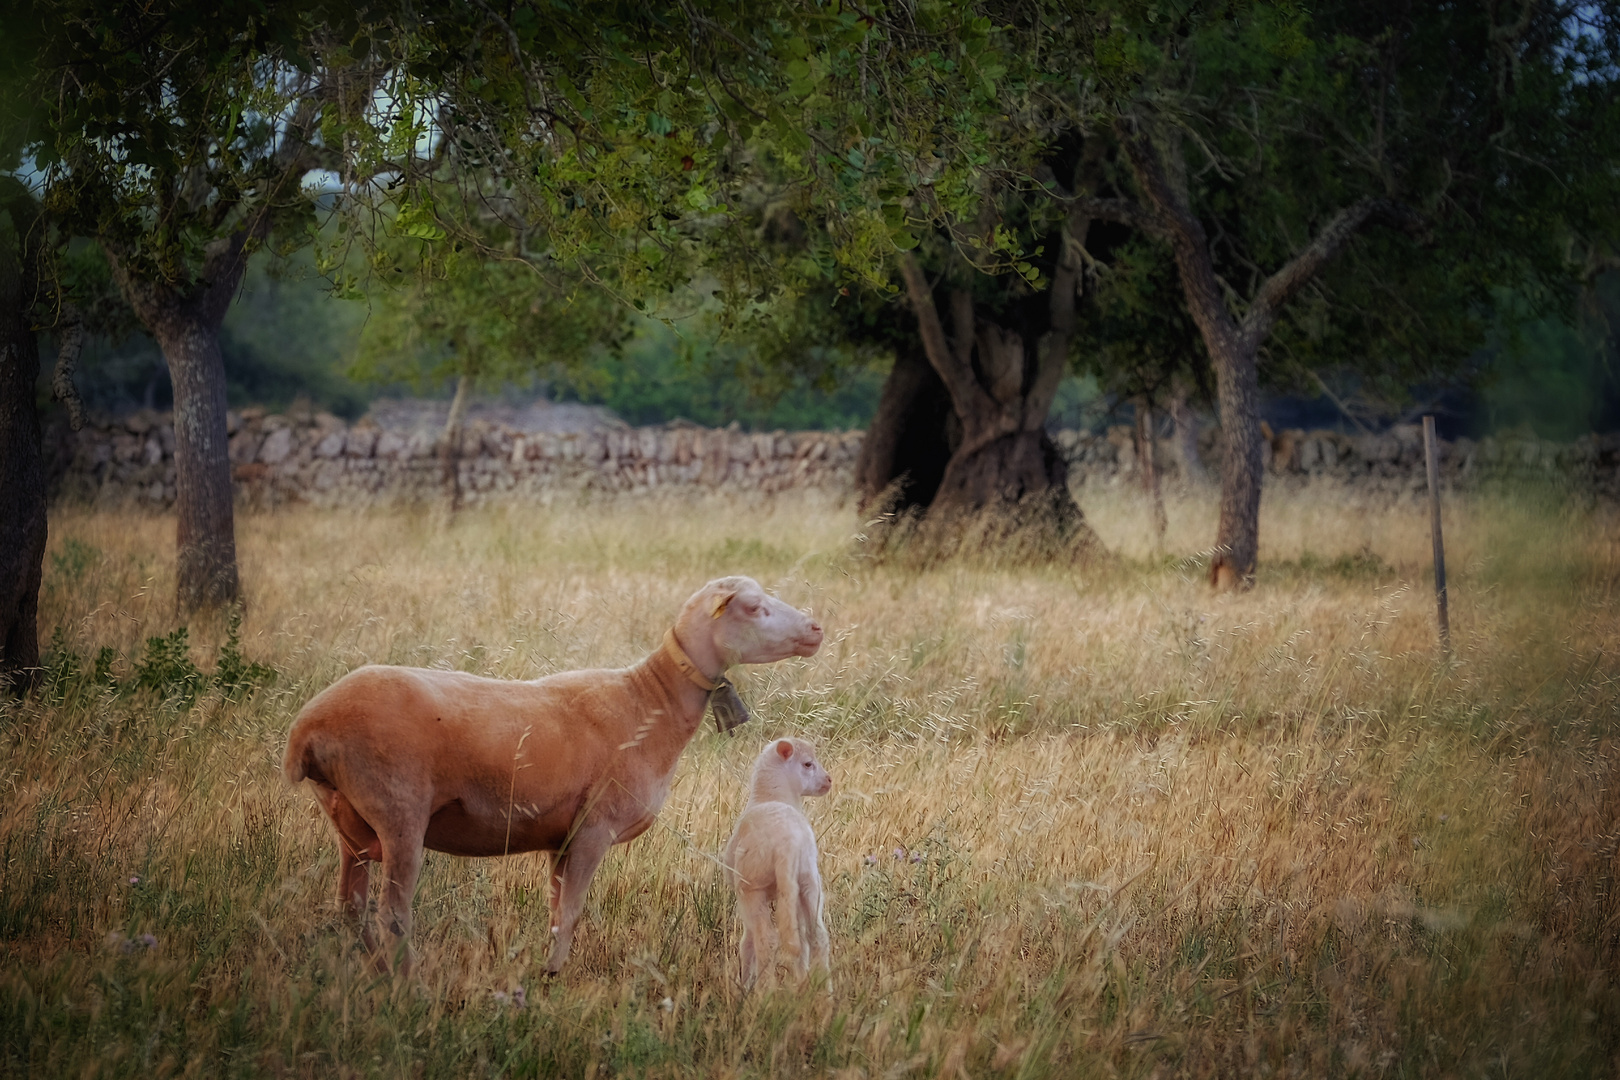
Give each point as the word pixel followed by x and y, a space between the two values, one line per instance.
pixel 185 318
pixel 205 528
pixel 1002 473
pixel 22 467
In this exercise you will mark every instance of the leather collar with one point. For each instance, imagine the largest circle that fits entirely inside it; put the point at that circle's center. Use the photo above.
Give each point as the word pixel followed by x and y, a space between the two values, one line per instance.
pixel 687 668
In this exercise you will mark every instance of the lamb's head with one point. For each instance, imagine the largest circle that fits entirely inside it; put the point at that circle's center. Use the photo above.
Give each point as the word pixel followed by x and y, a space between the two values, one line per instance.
pixel 790 767
pixel 732 620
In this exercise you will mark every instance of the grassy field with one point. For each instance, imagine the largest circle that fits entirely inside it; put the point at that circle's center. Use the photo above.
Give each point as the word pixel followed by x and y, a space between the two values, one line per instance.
pixel 1088 821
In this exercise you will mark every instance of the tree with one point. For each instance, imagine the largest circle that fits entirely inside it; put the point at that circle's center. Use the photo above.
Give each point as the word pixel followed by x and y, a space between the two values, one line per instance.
pixel 178 137
pixel 1349 185
pixel 1262 143
pixel 659 147
pixel 22 468
pixel 27 301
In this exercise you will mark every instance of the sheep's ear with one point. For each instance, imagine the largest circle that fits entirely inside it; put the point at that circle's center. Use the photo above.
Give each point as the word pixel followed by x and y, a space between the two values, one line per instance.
pixel 722 602
pixel 784 749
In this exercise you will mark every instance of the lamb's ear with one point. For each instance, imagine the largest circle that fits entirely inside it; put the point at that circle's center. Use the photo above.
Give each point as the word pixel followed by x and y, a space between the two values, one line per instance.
pixel 721 602
pixel 784 749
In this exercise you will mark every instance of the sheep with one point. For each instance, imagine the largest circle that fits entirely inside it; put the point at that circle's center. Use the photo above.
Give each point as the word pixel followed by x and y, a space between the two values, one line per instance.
pixel 772 856
pixel 403 759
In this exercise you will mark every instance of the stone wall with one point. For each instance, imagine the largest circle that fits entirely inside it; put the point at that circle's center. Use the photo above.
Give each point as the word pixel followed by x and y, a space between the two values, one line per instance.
pixel 1391 461
pixel 318 458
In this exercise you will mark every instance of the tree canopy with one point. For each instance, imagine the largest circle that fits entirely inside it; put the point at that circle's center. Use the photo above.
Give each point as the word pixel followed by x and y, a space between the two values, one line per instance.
pixel 997 192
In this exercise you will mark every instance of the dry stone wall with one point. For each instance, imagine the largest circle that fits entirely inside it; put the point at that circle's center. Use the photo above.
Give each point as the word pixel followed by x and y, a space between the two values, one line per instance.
pixel 317 458
pixel 1390 462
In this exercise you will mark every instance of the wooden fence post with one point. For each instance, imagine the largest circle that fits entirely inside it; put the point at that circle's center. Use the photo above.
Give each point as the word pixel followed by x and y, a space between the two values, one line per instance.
pixel 1431 450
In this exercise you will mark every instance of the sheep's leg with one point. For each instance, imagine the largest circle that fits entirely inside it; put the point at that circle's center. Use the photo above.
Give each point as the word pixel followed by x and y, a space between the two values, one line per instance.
pixel 402 865
pixel 358 846
pixel 754 906
pixel 571 874
pixel 787 915
pixel 811 912
pixel 354 885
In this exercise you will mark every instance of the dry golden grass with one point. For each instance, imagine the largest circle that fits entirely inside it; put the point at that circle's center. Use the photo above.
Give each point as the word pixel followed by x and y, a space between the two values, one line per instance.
pixel 1141 829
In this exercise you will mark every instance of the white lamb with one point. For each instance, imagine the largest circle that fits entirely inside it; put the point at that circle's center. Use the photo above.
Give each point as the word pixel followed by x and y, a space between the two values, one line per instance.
pixel 772 857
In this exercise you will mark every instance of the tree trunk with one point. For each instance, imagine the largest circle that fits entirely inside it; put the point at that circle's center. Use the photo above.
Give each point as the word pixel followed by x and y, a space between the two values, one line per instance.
pixel 22 467
pixel 205 537
pixel 1146 453
pixel 1237 537
pixel 909 440
pixel 185 319
pixel 450 440
pixel 1003 476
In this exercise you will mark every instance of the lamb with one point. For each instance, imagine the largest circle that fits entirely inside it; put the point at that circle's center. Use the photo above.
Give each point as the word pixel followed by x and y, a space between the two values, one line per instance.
pixel 772 856
pixel 404 759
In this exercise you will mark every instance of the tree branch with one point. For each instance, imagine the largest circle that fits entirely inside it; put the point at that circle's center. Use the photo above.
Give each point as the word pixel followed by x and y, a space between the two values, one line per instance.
pixel 967 396
pixel 1052 354
pixel 1199 285
pixel 1280 287
pixel 69 344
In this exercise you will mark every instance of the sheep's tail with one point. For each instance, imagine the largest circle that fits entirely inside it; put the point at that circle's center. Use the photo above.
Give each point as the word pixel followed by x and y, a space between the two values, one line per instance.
pixel 298 764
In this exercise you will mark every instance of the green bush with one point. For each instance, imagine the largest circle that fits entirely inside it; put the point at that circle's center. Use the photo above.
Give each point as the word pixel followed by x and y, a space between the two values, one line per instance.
pixel 166 670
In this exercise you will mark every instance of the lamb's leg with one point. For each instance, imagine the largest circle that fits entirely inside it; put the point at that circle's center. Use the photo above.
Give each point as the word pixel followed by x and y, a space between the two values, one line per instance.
pixel 816 926
pixel 754 906
pixel 402 865
pixel 787 914
pixel 571 874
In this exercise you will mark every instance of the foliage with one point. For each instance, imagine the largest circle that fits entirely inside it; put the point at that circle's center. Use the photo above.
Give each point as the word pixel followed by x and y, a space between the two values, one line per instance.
pixel 177 125
pixel 659 376
pixel 234 674
pixel 1558 379
pixel 287 337
pixel 1500 136
pixel 489 316
pixel 165 670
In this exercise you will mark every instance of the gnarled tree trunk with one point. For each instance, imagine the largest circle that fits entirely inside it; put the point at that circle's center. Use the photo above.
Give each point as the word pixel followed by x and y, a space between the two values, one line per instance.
pixel 960 433
pixel 909 440
pixel 22 467
pixel 185 319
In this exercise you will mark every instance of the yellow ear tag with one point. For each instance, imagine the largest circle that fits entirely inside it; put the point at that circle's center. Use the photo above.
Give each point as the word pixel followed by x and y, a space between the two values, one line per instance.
pixel 720 605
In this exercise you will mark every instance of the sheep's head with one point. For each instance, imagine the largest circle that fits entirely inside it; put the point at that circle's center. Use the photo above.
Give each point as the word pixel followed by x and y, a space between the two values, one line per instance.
pixel 795 762
pixel 746 625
